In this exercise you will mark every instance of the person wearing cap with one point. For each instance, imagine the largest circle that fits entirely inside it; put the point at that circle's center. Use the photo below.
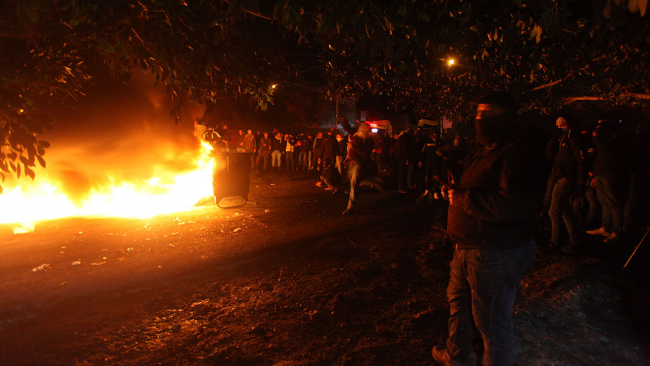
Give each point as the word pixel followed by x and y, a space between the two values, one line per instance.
pixel 490 226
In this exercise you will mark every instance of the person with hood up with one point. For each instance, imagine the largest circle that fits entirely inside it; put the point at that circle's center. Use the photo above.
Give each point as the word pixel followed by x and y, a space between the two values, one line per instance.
pixel 490 225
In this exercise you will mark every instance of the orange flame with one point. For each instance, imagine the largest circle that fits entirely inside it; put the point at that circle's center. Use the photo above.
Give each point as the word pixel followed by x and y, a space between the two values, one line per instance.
pixel 30 202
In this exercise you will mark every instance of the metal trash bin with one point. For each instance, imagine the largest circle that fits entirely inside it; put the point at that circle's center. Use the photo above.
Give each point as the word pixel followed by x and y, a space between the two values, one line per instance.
pixel 231 176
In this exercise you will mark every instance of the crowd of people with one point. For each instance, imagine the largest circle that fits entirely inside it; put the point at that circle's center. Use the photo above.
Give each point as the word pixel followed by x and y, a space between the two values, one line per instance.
pixel 490 185
pixel 593 175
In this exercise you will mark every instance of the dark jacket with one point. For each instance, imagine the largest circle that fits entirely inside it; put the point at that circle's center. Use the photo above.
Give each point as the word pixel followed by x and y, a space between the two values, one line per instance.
pixel 494 203
pixel 400 150
pixel 305 144
pixel 249 142
pixel 429 156
pixel 608 153
pixel 569 157
pixel 280 145
pixel 328 148
pixel 318 144
pixel 265 145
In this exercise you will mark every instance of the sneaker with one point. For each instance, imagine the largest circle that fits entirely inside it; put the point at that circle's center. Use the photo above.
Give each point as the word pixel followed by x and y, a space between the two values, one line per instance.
pixel 571 248
pixel 599 231
pixel 436 196
pixel 442 357
pixel 612 238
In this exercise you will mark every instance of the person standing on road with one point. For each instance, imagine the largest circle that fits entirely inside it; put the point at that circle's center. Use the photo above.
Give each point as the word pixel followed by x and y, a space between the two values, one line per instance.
pixel 278 146
pixel 608 174
pixel 264 150
pixel 490 225
pixel 250 145
pixel 318 152
pixel 568 176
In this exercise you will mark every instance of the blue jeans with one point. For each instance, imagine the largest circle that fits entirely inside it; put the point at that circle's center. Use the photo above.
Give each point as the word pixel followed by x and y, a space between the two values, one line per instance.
pixel 561 210
pixel 483 284
pixel 302 160
pixel 610 203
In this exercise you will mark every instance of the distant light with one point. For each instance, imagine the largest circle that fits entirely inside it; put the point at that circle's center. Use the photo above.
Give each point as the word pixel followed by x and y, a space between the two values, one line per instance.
pixel 451 62
pixel 273 86
pixel 374 130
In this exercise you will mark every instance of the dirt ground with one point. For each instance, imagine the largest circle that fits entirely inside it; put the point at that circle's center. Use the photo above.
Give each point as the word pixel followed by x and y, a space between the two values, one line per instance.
pixel 288 280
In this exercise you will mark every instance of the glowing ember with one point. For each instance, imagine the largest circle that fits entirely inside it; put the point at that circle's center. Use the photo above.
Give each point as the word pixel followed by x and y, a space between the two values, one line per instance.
pixel 29 202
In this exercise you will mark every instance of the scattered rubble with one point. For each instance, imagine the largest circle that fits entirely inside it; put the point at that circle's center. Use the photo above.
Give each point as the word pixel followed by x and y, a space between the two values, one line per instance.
pixel 41 268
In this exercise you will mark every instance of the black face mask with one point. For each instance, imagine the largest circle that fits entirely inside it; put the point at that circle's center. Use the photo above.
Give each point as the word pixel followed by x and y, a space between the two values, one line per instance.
pixel 495 129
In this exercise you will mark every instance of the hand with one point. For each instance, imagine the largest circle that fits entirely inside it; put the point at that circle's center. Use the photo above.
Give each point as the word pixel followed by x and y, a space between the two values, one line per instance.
pixel 595 133
pixel 593 183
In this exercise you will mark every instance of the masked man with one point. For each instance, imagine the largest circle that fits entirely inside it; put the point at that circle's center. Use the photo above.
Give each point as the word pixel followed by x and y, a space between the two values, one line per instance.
pixel 490 225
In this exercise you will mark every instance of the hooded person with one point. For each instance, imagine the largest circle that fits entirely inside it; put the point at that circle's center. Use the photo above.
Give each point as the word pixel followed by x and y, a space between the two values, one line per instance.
pixel 490 225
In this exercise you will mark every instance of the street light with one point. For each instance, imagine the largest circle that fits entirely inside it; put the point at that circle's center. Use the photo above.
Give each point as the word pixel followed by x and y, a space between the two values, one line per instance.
pixel 451 62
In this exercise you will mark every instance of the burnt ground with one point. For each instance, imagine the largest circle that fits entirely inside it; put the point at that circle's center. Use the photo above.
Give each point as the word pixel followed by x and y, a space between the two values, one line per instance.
pixel 288 280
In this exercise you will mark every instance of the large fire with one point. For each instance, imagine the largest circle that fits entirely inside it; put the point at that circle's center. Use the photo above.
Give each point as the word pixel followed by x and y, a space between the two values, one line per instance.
pixel 167 191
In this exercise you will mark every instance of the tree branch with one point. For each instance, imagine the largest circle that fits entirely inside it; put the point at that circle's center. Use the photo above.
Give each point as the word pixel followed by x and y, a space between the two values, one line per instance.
pixel 549 84
pixel 251 12
pixel 624 95
pixel 575 99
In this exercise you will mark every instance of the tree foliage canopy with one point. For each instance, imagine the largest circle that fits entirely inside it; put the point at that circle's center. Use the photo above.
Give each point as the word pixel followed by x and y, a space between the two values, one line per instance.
pixel 204 50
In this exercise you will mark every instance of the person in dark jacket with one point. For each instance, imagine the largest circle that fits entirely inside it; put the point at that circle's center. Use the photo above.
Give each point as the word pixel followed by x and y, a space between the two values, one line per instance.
pixel 416 146
pixel 329 147
pixel 264 151
pixel 317 155
pixel 490 225
pixel 330 176
pixel 250 145
pixel 432 164
pixel 568 176
pixel 400 153
pixel 607 176
pixel 305 149
pixel 453 155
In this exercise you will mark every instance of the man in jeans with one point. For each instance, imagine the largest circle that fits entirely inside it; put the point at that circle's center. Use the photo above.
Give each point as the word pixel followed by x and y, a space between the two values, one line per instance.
pixel 490 224
pixel 568 176
pixel 607 174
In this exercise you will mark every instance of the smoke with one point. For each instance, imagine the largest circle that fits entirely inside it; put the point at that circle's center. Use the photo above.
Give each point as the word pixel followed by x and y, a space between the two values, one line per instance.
pixel 117 133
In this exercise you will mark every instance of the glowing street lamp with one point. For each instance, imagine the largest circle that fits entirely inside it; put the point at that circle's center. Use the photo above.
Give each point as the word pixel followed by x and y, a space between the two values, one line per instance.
pixel 273 86
pixel 451 62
